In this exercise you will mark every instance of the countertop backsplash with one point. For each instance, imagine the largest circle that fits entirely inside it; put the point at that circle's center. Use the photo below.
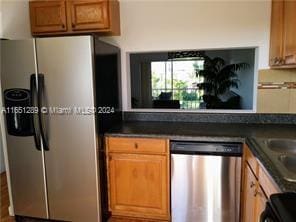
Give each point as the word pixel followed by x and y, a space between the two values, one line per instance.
pixel 247 118
pixel 276 91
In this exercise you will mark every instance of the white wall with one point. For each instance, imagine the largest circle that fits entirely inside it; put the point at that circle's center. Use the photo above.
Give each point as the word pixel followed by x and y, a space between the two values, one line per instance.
pixel 15 19
pixel 156 25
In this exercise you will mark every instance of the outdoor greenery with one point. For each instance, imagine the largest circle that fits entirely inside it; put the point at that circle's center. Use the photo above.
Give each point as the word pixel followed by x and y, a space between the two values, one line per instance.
pixel 182 85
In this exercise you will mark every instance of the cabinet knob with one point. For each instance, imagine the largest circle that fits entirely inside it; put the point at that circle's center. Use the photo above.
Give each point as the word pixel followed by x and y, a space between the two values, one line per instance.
pixel 136 146
pixel 63 25
pixel 255 193
pixel 258 193
pixel 252 184
pixel 73 25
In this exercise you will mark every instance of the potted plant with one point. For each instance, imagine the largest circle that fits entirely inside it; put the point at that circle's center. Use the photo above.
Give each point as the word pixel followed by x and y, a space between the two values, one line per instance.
pixel 219 77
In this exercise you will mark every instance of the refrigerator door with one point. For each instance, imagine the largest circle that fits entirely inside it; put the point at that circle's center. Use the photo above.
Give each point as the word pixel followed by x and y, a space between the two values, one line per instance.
pixel 71 160
pixel 25 160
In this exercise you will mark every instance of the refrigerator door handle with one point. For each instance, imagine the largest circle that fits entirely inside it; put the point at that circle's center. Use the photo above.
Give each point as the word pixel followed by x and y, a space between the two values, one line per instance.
pixel 41 111
pixel 34 103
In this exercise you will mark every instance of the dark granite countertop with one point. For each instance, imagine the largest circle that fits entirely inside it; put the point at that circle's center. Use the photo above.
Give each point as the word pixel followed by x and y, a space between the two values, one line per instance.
pixel 215 132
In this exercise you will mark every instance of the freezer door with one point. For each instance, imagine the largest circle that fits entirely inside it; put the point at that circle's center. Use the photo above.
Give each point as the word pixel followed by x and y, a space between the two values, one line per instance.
pixel 25 161
pixel 71 159
pixel 205 188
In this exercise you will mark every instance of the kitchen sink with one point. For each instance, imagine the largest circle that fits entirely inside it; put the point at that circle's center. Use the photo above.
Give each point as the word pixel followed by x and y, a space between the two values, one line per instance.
pixel 282 153
pixel 289 162
pixel 282 145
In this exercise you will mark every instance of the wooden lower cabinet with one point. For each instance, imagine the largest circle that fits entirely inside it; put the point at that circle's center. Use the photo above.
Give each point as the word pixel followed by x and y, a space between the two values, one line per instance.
pixel 260 202
pixel 138 183
pixel 249 189
pixel 257 187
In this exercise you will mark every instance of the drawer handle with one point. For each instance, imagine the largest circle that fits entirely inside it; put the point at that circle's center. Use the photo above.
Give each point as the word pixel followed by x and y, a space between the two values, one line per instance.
pixel 136 146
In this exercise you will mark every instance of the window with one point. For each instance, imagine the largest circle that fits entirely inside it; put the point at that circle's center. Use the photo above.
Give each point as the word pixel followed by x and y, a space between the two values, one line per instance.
pixel 193 80
pixel 177 79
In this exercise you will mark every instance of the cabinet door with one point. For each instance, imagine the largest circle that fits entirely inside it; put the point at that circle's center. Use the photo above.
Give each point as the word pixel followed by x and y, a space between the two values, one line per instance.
pixel 89 14
pixel 138 185
pixel 249 189
pixel 48 16
pixel 276 33
pixel 260 203
pixel 290 32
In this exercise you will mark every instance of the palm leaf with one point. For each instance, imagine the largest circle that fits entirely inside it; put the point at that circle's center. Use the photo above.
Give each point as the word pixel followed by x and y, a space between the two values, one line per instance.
pixel 219 77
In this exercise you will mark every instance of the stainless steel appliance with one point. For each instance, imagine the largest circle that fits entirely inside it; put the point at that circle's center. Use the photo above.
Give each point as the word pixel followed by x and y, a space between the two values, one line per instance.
pixel 205 181
pixel 53 152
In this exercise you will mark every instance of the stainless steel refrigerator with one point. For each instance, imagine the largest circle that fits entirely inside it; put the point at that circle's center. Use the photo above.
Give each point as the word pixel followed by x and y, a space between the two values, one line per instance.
pixel 50 87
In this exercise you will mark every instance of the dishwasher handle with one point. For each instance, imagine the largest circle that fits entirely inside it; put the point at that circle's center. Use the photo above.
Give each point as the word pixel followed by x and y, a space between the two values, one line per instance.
pixel 206 148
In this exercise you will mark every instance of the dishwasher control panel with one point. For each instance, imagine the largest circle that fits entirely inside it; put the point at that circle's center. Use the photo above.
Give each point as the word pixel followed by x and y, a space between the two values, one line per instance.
pixel 207 148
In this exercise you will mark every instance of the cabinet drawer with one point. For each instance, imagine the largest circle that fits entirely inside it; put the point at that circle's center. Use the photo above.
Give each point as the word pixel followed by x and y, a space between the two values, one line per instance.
pixel 251 160
pixel 137 145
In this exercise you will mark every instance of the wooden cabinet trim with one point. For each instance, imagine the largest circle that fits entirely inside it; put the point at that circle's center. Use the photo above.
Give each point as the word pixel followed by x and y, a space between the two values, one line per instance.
pixel 276 33
pixel 260 202
pixel 248 191
pixel 251 160
pixel 289 49
pixel 266 182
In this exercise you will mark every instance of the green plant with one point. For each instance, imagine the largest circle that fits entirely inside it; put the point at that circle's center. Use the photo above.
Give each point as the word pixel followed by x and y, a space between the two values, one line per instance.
pixel 179 85
pixel 218 76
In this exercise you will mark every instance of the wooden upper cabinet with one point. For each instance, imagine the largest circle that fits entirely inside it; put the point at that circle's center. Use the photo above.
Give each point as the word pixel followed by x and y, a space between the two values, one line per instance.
pixel 290 32
pixel 276 33
pixel 75 17
pixel 283 34
pixel 48 16
pixel 89 15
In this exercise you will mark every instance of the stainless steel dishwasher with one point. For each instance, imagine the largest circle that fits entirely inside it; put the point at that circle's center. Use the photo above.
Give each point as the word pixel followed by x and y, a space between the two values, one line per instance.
pixel 205 181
